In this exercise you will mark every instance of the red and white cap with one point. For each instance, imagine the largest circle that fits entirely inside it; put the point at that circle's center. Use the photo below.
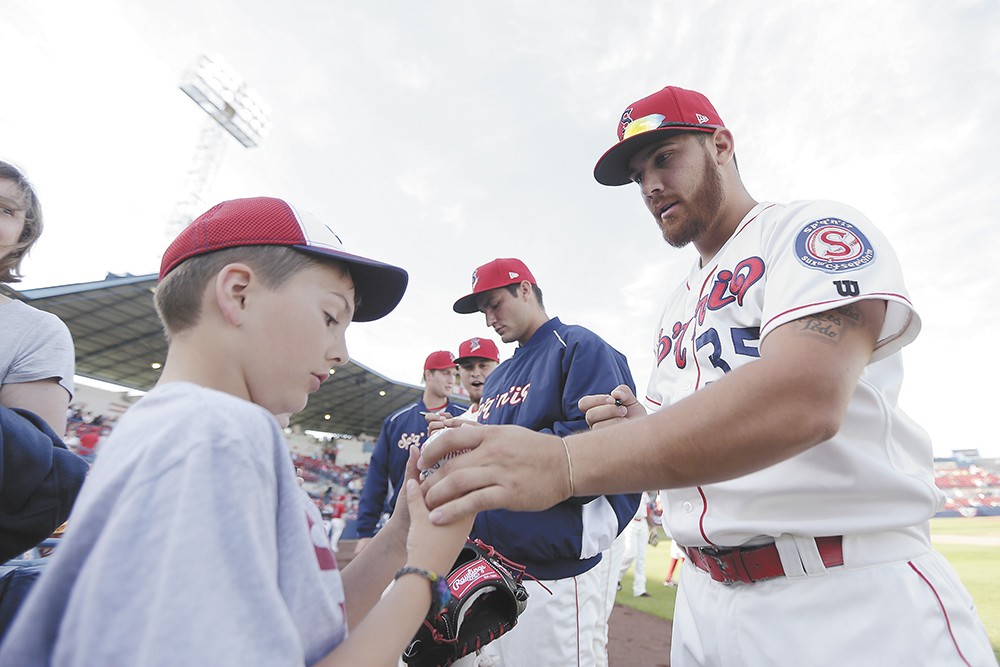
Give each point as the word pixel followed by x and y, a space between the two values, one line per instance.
pixel 439 360
pixel 269 221
pixel 498 273
pixel 478 348
pixel 644 122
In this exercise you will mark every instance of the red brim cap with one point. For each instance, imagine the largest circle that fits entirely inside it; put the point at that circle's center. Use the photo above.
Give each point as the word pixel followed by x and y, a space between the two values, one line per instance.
pixel 269 221
pixel 651 119
pixel 478 348
pixel 498 273
pixel 439 360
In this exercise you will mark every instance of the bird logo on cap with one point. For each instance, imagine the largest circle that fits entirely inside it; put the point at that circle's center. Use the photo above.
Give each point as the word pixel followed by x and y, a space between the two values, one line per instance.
pixel 475 279
pixel 474 345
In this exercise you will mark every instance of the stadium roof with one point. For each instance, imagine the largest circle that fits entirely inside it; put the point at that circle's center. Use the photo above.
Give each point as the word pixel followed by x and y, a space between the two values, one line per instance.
pixel 118 339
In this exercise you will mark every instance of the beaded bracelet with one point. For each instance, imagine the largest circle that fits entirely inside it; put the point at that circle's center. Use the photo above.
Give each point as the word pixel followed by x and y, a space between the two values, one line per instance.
pixel 440 593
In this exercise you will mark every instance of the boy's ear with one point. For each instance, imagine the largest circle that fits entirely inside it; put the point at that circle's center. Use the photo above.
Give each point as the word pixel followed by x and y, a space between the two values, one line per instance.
pixel 231 285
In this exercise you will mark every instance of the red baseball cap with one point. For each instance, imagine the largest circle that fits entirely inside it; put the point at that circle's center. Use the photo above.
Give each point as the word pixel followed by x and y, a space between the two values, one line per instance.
pixel 498 273
pixel 645 122
pixel 269 221
pixel 439 360
pixel 478 348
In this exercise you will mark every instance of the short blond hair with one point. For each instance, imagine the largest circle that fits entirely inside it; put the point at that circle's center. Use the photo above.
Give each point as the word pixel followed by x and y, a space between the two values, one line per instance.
pixel 179 295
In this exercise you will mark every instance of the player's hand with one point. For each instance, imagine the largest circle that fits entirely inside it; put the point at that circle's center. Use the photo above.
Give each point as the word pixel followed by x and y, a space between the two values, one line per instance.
pixel 435 420
pixel 432 546
pixel 609 409
pixel 505 467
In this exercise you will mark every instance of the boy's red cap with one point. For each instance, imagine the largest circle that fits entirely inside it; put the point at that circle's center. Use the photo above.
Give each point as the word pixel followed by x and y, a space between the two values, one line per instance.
pixel 478 348
pixel 269 221
pixel 498 273
pixel 645 122
pixel 439 360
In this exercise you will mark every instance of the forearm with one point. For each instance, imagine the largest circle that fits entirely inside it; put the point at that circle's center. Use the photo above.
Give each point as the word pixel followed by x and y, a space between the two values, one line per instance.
pixel 384 633
pixel 756 416
pixel 366 577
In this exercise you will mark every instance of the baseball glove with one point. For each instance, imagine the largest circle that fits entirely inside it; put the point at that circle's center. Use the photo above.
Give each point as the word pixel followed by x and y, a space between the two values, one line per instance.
pixel 487 596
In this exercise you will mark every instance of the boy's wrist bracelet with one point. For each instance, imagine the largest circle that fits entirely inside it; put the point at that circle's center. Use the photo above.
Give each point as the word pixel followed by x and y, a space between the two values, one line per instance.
pixel 440 594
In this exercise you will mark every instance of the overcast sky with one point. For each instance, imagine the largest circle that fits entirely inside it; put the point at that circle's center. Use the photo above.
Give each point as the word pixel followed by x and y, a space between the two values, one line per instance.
pixel 439 135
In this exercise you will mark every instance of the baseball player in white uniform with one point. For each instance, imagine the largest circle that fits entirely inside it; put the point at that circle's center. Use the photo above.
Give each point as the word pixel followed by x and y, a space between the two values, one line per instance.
pixel 636 538
pixel 799 490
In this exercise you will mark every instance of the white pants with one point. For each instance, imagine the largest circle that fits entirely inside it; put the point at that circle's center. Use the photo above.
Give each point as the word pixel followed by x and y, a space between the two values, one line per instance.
pixel 607 571
pixel 557 630
pixel 636 536
pixel 911 612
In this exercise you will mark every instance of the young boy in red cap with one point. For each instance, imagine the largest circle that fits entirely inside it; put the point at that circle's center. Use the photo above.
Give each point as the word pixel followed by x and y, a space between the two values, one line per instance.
pixel 401 430
pixel 191 542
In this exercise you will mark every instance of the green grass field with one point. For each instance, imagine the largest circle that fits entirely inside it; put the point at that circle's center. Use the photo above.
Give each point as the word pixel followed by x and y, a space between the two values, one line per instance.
pixel 976 564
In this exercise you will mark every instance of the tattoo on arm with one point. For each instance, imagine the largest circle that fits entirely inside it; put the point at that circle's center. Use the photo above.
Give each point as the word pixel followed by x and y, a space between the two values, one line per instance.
pixel 833 324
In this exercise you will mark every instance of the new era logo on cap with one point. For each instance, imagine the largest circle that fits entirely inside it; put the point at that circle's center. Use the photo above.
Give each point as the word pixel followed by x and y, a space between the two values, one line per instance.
pixel 498 273
pixel 268 221
pixel 644 122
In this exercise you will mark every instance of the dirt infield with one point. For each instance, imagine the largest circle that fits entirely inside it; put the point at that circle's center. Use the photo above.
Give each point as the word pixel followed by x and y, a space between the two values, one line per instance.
pixel 636 639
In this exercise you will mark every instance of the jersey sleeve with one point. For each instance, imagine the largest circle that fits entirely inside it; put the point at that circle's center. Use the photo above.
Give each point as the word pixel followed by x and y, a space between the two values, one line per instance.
pixel 823 255
pixel 376 485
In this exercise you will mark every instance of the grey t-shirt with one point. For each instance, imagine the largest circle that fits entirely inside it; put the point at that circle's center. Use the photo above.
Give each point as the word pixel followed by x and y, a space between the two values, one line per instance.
pixel 34 345
pixel 191 544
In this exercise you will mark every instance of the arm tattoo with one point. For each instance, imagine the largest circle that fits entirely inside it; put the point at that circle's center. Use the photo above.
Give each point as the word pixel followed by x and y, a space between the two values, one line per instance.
pixel 833 324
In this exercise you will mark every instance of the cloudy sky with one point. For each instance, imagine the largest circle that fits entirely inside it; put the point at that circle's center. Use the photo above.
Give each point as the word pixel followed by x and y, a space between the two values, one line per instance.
pixel 439 135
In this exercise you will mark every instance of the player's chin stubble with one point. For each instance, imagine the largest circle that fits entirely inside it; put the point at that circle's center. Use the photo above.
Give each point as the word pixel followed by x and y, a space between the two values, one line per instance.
pixel 703 207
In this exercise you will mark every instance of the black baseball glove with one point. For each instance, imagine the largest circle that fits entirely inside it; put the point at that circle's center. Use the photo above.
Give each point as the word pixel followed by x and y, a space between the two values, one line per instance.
pixel 487 596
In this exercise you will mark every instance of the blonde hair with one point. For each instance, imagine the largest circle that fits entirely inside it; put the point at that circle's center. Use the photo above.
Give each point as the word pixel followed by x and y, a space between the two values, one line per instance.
pixel 10 265
pixel 179 295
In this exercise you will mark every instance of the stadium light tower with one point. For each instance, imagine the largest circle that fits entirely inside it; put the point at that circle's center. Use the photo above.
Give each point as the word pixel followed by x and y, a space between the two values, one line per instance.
pixel 232 106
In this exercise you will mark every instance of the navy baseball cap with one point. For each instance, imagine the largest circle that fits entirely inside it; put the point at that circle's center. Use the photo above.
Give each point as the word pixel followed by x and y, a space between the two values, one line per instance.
pixel 270 221
pixel 647 121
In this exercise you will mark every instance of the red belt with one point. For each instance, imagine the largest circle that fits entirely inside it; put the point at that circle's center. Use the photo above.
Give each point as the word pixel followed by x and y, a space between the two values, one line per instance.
pixel 749 564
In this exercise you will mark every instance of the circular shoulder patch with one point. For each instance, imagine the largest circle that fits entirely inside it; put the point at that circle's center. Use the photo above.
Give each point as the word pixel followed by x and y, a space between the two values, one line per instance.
pixel 833 245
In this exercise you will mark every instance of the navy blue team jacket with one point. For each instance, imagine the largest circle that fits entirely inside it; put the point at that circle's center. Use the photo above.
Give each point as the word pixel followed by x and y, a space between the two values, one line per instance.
pixel 400 430
pixel 539 388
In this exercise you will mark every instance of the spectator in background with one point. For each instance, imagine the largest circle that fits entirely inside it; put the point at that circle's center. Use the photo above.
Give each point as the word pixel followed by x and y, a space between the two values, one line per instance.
pixel 401 430
pixel 36 384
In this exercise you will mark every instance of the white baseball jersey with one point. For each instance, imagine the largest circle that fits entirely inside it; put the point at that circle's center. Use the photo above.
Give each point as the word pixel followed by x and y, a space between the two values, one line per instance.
pixel 785 262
